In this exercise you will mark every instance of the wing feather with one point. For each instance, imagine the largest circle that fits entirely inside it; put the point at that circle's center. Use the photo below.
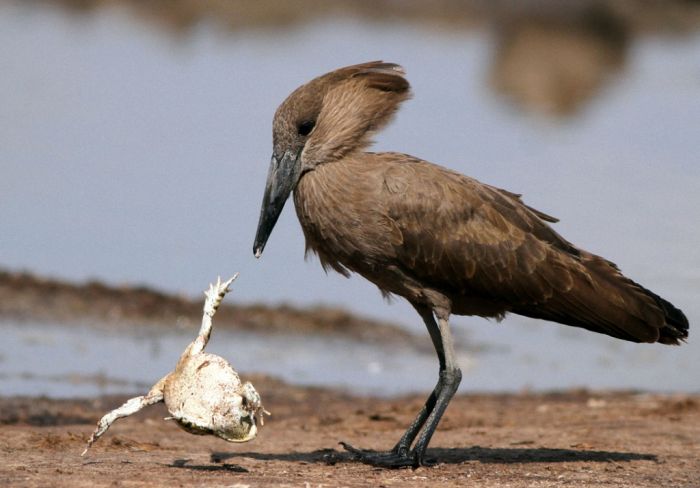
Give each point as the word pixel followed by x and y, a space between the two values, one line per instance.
pixel 459 232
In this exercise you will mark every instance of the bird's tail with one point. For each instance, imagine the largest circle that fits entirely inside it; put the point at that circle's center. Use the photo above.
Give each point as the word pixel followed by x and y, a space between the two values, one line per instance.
pixel 603 300
pixel 675 325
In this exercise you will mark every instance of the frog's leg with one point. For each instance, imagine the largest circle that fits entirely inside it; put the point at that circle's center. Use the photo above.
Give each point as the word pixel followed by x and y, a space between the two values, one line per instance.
pixel 155 395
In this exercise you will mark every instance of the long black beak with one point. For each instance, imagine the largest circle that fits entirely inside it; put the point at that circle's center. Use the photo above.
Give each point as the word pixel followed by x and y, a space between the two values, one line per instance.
pixel 281 179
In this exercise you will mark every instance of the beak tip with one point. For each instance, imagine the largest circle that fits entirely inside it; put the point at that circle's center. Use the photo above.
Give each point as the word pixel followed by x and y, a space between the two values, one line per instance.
pixel 258 252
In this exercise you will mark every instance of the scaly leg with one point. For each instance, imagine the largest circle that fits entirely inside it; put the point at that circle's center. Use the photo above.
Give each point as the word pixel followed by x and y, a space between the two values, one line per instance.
pixel 429 416
pixel 407 438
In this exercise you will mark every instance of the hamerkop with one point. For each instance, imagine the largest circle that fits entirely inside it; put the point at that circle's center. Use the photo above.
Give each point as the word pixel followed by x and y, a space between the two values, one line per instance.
pixel 445 242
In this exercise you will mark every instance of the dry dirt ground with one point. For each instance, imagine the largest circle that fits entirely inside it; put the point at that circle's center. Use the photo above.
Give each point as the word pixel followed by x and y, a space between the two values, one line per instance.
pixel 576 438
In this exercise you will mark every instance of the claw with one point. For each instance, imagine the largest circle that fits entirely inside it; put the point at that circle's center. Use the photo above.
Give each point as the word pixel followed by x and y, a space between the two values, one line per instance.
pixel 215 294
pixel 389 459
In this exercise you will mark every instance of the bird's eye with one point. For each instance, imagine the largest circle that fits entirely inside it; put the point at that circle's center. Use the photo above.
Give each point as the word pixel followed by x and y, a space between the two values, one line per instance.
pixel 306 127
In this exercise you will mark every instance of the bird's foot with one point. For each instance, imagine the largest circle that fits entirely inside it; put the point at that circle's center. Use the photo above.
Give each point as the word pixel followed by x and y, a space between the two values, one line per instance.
pixel 394 459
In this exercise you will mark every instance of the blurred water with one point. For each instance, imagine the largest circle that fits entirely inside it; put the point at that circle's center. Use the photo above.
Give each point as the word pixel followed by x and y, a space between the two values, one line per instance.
pixel 131 156
pixel 68 361
pixel 82 361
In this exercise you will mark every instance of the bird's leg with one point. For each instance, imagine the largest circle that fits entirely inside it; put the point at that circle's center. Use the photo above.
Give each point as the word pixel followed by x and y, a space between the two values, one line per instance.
pixel 407 438
pixel 450 377
pixel 429 416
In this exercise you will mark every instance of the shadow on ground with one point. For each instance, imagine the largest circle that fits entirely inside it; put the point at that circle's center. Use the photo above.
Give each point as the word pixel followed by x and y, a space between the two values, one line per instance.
pixel 495 455
pixel 183 463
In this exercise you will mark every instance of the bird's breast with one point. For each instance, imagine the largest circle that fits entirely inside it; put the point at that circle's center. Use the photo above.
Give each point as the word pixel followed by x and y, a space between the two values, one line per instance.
pixel 323 201
pixel 341 213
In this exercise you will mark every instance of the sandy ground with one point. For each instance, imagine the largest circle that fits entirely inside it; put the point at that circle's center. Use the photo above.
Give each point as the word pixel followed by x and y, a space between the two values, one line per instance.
pixel 576 438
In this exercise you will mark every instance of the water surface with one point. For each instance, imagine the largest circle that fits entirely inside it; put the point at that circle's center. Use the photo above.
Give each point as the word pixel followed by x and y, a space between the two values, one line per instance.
pixel 132 156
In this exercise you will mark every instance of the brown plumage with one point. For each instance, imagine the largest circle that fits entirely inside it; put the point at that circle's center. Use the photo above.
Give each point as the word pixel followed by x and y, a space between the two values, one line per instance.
pixel 445 242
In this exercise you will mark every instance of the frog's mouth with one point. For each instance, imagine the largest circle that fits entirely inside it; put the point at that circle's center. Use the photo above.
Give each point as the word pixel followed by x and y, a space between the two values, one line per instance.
pixel 193 428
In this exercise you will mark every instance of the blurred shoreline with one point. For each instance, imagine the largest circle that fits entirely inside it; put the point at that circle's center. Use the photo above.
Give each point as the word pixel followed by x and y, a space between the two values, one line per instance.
pixel 27 297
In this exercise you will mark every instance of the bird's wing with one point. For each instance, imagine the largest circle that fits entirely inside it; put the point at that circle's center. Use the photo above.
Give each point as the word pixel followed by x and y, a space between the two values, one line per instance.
pixel 469 239
pixel 459 233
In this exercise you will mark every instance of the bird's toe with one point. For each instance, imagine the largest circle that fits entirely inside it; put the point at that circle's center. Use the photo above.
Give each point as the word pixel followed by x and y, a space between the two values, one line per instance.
pixel 388 459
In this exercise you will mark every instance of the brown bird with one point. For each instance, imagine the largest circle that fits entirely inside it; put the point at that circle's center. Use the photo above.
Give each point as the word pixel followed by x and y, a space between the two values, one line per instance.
pixel 443 241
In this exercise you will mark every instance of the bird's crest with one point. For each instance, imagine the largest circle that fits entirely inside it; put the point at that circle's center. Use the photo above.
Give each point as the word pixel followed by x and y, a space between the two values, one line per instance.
pixel 343 108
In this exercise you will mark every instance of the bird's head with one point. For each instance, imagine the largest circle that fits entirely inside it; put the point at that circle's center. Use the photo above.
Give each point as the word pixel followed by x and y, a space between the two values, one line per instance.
pixel 323 121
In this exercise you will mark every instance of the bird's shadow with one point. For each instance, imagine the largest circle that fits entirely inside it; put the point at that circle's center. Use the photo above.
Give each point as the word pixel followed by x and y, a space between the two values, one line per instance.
pixel 489 455
pixel 184 464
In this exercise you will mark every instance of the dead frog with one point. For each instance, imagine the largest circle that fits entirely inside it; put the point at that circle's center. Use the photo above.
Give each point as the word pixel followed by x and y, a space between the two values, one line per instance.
pixel 204 394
